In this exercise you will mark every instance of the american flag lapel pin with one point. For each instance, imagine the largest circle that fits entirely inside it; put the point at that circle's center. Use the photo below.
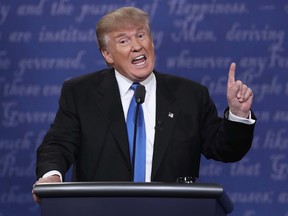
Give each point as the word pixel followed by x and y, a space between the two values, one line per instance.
pixel 171 115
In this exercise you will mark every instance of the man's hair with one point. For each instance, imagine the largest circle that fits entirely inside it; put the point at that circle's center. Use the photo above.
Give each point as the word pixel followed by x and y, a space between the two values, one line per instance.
pixel 118 19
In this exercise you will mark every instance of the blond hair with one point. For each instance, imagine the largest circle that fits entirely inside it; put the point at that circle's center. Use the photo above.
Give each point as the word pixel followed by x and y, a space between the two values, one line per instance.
pixel 118 19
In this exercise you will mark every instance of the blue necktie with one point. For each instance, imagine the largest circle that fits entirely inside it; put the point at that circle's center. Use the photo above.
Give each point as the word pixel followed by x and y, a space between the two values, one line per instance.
pixel 140 150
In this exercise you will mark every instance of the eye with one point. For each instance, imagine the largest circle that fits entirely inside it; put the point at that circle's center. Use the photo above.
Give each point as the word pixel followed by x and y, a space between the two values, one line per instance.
pixel 141 35
pixel 123 41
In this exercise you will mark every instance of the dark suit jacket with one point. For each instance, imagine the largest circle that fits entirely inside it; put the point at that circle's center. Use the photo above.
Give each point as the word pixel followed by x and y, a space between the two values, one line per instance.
pixel 89 131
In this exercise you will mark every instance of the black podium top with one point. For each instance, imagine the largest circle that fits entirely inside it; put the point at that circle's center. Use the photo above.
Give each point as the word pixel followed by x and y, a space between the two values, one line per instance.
pixel 131 189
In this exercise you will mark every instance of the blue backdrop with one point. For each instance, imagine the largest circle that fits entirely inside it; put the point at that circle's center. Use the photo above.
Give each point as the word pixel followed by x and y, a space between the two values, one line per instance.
pixel 43 43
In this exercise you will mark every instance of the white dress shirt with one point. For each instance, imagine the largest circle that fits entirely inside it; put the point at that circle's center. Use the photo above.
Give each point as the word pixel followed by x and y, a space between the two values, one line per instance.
pixel 149 110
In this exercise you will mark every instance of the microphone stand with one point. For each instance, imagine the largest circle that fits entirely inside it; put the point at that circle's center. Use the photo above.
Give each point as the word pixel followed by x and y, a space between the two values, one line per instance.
pixel 134 140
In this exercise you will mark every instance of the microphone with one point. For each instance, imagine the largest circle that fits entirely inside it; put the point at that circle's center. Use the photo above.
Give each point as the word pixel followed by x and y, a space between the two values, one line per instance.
pixel 140 94
pixel 158 126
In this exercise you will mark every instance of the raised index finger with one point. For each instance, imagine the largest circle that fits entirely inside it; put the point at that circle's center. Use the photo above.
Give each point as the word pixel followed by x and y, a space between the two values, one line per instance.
pixel 231 75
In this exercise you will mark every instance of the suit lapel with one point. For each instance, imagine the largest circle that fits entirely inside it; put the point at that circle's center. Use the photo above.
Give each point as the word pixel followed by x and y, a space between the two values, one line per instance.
pixel 112 110
pixel 166 115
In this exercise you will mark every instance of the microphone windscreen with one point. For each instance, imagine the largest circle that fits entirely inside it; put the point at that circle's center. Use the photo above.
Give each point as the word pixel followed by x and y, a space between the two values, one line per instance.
pixel 140 94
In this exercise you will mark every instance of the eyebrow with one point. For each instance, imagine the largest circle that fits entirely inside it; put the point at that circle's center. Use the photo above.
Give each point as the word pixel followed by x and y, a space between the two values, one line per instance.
pixel 117 35
pixel 120 34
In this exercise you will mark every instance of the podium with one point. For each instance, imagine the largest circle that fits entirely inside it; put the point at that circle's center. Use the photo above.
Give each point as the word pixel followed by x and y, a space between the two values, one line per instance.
pixel 132 199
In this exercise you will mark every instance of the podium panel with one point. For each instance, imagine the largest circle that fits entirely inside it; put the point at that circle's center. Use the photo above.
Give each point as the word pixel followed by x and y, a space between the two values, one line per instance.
pixel 130 199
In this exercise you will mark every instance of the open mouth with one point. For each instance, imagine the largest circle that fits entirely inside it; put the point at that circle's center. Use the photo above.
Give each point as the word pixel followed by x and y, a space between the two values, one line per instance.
pixel 139 60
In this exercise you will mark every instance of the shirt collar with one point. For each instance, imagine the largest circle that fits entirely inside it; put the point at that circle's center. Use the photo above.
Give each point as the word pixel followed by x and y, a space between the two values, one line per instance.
pixel 124 83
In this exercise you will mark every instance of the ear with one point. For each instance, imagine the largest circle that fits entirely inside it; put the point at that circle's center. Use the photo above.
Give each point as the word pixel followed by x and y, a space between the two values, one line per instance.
pixel 107 56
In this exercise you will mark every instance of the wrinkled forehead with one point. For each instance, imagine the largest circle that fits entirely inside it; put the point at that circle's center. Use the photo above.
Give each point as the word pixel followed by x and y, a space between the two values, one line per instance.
pixel 129 29
pixel 127 25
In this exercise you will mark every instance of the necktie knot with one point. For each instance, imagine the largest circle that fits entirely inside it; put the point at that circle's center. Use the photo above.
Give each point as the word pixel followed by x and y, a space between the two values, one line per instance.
pixel 139 92
pixel 134 86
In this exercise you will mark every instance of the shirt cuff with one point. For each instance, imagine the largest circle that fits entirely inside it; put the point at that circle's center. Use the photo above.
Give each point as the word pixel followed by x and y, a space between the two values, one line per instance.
pixel 235 118
pixel 53 172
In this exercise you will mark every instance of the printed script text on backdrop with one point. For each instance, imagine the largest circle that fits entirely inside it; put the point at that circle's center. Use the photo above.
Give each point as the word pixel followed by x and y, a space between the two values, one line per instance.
pixel 43 43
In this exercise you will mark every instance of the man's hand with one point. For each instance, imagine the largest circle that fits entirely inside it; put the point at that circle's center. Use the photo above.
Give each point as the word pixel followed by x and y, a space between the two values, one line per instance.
pixel 239 95
pixel 49 179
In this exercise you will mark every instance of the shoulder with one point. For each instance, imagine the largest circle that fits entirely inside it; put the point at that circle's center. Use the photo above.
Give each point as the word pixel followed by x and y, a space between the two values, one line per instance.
pixel 88 79
pixel 90 82
pixel 177 83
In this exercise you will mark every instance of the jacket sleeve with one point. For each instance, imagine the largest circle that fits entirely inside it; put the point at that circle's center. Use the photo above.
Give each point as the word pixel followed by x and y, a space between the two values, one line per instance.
pixel 223 140
pixel 60 145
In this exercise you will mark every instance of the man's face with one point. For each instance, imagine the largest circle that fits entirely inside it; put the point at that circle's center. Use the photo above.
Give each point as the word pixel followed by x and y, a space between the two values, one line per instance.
pixel 131 52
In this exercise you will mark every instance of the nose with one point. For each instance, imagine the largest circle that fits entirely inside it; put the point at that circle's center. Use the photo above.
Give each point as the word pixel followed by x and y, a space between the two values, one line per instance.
pixel 135 45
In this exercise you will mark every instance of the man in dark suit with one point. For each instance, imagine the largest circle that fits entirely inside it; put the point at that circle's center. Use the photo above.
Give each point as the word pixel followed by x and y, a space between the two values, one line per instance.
pixel 89 130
